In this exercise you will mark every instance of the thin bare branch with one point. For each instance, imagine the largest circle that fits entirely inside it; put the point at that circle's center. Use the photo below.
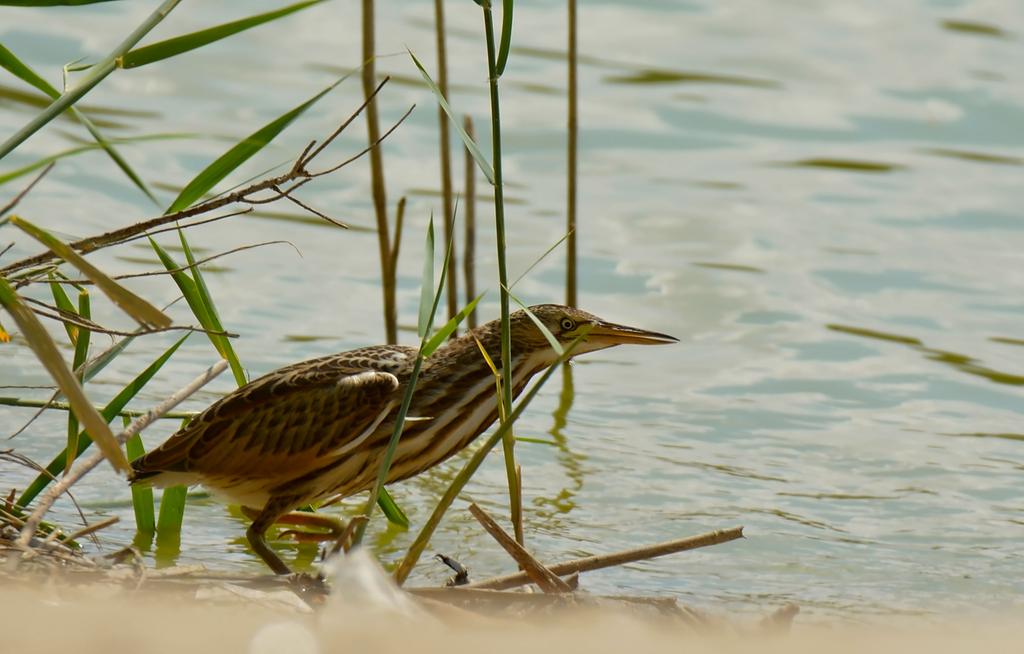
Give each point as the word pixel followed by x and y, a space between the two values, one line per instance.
pixel 54 313
pixel 156 273
pixel 241 196
pixel 303 160
pixel 64 406
pixel 367 148
pixel 25 191
pixel 313 211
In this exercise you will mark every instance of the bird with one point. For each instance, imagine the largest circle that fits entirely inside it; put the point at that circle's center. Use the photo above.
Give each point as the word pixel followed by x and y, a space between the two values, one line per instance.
pixel 318 429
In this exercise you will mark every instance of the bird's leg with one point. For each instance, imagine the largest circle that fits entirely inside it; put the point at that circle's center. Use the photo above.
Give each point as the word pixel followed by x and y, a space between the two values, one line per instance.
pixel 334 526
pixel 256 531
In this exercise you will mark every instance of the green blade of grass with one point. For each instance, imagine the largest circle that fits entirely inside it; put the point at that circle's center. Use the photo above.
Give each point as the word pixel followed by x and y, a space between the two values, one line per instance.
pixel 109 412
pixel 142 496
pixel 172 511
pixel 97 74
pixel 442 334
pixel 142 311
pixel 470 144
pixel 186 42
pixel 538 260
pixel 50 3
pixel 63 302
pixel 207 300
pixel 80 357
pixel 46 351
pixel 239 154
pixel 47 160
pixel 505 44
pixel 391 510
pixel 18 68
pixel 425 318
pixel 190 291
pixel 555 345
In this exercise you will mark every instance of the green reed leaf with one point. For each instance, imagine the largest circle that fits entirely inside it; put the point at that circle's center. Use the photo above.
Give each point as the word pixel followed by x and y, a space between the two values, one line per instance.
pixel 180 44
pixel 142 311
pixel 215 324
pixel 142 496
pixel 200 309
pixel 9 61
pixel 21 171
pixel 470 144
pixel 427 284
pixel 442 334
pixel 505 44
pixel 97 74
pixel 63 302
pixel 391 510
pixel 46 351
pixel 239 154
pixel 172 512
pixel 77 364
pixel 555 345
pixel 50 3
pixel 109 412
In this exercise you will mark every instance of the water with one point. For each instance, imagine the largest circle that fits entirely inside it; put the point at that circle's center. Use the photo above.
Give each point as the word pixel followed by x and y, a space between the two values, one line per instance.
pixel 821 201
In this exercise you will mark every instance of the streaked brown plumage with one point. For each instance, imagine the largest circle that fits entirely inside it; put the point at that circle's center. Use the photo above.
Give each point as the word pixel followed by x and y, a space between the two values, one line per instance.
pixel 317 429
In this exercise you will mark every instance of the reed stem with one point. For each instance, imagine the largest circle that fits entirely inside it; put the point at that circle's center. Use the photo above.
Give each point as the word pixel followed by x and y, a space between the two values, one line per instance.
pixel 446 157
pixel 508 441
pixel 570 216
pixel 380 205
pixel 469 249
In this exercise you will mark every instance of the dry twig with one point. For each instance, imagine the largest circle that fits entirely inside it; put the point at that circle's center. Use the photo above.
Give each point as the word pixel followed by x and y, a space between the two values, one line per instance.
pixel 548 581
pixel 616 558
pixel 298 173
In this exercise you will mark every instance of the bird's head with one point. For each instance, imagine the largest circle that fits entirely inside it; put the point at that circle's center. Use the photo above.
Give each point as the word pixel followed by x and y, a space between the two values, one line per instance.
pixel 566 323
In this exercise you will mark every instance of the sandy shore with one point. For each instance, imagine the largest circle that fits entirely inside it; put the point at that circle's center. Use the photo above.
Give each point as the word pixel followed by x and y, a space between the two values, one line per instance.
pixel 40 617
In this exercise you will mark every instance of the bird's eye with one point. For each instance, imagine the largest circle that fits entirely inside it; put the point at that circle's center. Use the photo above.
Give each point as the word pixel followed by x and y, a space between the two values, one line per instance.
pixel 567 324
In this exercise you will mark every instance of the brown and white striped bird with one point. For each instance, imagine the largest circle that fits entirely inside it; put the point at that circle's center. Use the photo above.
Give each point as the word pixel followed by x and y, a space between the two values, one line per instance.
pixel 318 429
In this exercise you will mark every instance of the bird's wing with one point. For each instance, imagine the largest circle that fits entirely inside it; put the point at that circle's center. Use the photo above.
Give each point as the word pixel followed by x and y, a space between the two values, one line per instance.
pixel 280 424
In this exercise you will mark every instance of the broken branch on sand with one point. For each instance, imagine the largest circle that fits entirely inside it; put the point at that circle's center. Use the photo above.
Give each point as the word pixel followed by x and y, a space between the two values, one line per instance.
pixel 615 558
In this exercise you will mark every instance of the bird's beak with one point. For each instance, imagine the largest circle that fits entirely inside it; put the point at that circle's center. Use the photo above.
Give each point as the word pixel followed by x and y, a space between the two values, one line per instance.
pixel 611 334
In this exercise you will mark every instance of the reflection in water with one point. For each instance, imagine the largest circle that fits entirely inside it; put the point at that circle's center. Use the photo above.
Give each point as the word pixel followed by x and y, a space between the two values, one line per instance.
pixel 571 461
pixel 961 362
pixel 853 165
pixel 974 155
pixel 168 549
pixel 974 27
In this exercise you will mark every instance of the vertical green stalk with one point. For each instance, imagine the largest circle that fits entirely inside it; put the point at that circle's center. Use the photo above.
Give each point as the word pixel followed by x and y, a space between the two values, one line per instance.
pixel 508 441
pixel 446 157
pixel 369 79
pixel 469 212
pixel 142 497
pixel 78 367
pixel 570 216
pixel 168 522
